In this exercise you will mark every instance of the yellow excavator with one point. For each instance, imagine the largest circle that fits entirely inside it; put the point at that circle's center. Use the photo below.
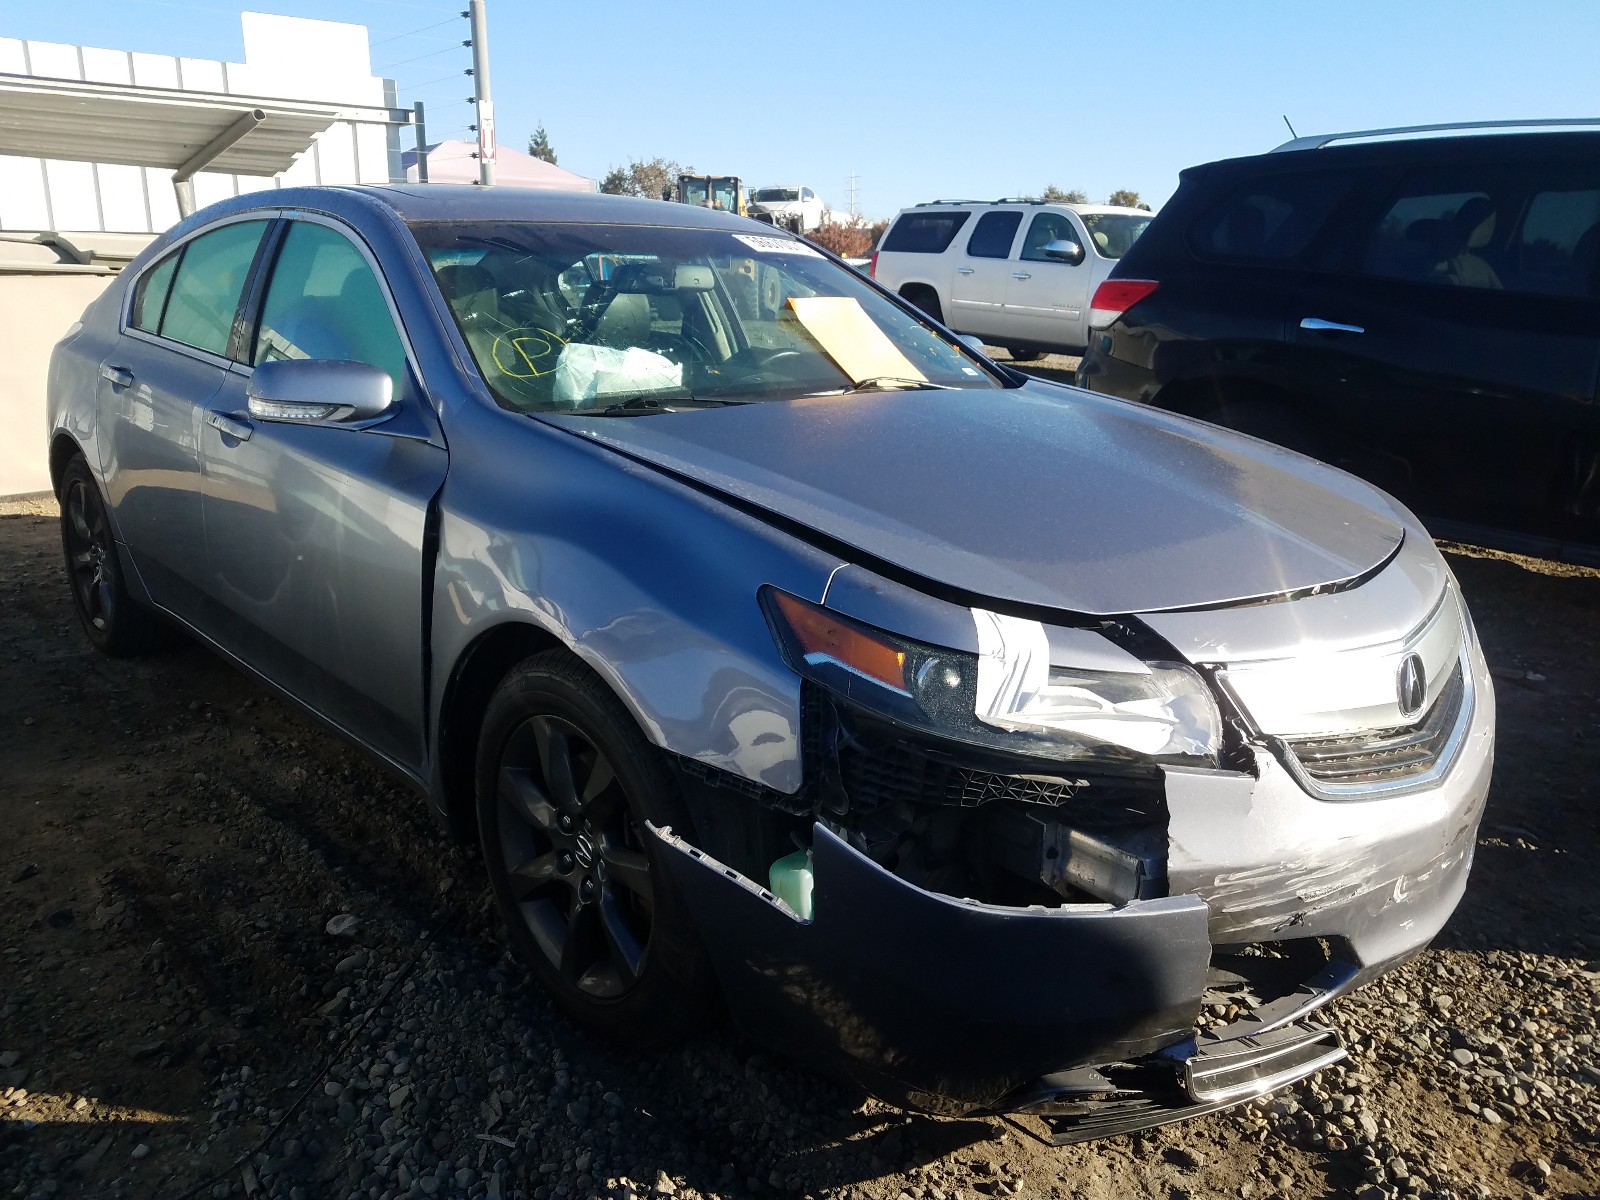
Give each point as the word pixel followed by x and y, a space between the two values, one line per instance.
pixel 722 192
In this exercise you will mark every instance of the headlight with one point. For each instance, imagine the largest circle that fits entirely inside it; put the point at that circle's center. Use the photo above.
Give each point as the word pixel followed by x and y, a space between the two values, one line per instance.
pixel 1008 697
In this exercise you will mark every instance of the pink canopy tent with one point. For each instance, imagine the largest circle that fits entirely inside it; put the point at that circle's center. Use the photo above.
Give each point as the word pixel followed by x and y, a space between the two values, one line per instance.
pixel 453 162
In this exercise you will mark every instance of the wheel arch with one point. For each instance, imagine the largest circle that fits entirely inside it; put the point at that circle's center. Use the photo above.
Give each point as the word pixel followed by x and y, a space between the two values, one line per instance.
pixel 477 672
pixel 63 448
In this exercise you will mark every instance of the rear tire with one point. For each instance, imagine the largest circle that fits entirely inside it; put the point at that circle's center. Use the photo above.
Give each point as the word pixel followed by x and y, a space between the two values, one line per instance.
pixel 565 784
pixel 1020 355
pixel 117 624
pixel 926 299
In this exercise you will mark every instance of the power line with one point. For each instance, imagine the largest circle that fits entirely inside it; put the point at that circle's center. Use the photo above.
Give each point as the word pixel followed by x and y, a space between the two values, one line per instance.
pixel 430 54
pixel 414 32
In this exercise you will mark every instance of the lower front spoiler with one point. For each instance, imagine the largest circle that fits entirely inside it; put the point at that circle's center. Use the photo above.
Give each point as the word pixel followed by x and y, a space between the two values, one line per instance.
pixel 1204 1076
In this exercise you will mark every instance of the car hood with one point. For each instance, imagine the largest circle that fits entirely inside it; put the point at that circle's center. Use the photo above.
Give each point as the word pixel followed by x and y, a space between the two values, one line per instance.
pixel 1040 495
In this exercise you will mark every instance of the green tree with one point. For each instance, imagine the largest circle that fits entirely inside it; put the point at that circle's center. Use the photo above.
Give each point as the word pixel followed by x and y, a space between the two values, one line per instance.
pixel 1123 198
pixel 654 179
pixel 1054 195
pixel 539 145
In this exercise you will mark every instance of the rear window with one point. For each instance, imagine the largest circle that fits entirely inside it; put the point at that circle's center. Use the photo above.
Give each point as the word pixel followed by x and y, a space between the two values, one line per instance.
pixel 924 232
pixel 1268 220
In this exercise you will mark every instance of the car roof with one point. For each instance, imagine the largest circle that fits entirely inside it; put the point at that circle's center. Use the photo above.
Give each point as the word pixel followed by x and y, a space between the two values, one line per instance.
pixel 1455 147
pixel 467 202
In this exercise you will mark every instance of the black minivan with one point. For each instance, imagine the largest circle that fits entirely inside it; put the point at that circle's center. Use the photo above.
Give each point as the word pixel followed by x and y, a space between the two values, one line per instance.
pixel 1421 310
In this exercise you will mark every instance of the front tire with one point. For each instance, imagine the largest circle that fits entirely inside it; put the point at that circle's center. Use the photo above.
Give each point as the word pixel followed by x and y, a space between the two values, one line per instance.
pixel 926 299
pixel 565 784
pixel 117 624
pixel 1020 355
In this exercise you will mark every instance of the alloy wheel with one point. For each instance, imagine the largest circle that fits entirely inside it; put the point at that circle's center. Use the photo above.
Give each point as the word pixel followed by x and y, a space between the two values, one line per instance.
pixel 90 555
pixel 574 856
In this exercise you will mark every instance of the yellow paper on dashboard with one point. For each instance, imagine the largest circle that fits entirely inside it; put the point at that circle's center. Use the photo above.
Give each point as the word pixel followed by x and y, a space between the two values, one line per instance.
pixel 852 339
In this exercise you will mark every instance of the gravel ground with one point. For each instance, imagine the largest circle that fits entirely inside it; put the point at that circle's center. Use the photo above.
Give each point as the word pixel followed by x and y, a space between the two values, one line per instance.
pixel 228 936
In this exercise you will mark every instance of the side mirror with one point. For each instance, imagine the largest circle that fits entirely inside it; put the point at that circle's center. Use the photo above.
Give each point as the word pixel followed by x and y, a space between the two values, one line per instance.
pixel 318 389
pixel 972 342
pixel 1062 250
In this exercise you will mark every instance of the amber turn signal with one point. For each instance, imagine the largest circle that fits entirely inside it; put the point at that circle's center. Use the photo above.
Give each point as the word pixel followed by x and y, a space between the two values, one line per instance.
pixel 825 637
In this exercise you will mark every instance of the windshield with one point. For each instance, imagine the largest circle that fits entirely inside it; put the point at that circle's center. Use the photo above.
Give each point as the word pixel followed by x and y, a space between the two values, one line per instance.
pixel 564 318
pixel 776 195
pixel 1114 233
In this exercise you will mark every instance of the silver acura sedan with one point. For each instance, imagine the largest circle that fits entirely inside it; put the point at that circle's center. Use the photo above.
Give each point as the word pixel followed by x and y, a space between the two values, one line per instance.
pixel 1002 746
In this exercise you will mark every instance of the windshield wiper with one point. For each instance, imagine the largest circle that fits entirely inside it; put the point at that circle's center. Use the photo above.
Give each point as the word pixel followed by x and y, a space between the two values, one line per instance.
pixel 636 406
pixel 887 383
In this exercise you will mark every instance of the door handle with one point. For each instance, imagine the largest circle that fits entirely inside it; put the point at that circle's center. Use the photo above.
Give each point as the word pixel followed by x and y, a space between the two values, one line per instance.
pixel 1020 275
pixel 963 270
pixel 1321 326
pixel 116 376
pixel 232 426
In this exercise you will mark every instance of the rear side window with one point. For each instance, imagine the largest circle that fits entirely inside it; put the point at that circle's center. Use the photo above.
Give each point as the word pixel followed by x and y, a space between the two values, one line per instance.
pixel 924 232
pixel 205 293
pixel 150 294
pixel 1532 228
pixel 1268 220
pixel 993 235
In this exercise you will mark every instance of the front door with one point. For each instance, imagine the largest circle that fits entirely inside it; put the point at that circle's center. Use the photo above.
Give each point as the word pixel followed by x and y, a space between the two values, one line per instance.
pixel 1047 300
pixel 982 275
pixel 315 532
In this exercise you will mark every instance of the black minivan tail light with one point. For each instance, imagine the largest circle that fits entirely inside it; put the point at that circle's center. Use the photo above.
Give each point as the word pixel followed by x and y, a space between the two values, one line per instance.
pixel 1115 297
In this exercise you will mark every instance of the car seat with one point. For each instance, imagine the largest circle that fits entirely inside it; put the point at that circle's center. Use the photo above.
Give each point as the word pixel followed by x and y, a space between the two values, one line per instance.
pixel 1469 231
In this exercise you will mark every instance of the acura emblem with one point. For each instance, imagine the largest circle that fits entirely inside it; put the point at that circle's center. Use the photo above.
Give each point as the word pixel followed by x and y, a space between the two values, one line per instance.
pixel 1411 685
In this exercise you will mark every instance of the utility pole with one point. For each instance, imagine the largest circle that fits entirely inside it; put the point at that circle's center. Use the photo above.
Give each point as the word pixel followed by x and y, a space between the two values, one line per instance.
pixel 480 91
pixel 419 119
pixel 854 209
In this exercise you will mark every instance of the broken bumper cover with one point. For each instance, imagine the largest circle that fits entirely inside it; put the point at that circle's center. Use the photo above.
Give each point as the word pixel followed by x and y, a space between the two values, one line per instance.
pixel 941 1004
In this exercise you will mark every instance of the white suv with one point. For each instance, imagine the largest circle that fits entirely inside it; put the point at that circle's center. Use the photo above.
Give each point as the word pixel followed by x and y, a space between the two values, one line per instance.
pixel 1016 273
pixel 789 205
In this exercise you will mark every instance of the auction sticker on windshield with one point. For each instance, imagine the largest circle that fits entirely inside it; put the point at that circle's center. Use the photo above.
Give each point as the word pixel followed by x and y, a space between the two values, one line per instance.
pixel 775 245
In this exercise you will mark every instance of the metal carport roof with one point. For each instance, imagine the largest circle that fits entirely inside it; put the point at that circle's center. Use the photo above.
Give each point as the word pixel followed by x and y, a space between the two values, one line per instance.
pixel 165 127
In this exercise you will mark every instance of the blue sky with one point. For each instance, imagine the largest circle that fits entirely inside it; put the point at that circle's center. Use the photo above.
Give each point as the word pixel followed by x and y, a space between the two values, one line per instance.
pixel 931 99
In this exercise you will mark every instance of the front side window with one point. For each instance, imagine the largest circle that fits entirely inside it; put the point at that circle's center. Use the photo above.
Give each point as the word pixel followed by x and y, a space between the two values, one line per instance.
pixel 325 302
pixel 1515 227
pixel 1113 234
pixel 639 319
pixel 993 235
pixel 205 292
pixel 1045 228
pixel 150 294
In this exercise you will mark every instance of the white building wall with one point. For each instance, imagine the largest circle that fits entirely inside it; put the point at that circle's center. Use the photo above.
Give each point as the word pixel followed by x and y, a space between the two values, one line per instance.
pixel 284 58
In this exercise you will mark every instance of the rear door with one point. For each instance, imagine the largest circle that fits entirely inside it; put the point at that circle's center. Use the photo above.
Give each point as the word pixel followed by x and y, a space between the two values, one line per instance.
pixel 169 363
pixel 1458 348
pixel 315 532
pixel 983 274
pixel 1047 300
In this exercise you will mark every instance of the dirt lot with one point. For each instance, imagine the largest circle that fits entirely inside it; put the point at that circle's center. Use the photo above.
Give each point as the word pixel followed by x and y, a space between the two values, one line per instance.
pixel 179 842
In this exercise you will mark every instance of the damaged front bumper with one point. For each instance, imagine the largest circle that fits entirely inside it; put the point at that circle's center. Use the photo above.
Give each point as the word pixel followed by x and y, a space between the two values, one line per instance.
pixel 1100 1017
pixel 958 1007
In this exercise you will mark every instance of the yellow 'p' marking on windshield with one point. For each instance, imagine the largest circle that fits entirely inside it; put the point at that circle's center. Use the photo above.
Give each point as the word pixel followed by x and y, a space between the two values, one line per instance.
pixel 524 348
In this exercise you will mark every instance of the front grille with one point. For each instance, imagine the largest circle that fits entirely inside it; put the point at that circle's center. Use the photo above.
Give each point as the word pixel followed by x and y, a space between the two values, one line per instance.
pixel 892 773
pixel 1384 755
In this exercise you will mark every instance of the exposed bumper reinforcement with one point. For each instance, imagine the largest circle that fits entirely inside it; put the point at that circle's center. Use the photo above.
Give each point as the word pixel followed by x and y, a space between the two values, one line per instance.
pixel 1202 1077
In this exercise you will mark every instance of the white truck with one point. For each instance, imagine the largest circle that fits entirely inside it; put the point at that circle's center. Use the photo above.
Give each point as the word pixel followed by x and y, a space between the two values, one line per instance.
pixel 1015 273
